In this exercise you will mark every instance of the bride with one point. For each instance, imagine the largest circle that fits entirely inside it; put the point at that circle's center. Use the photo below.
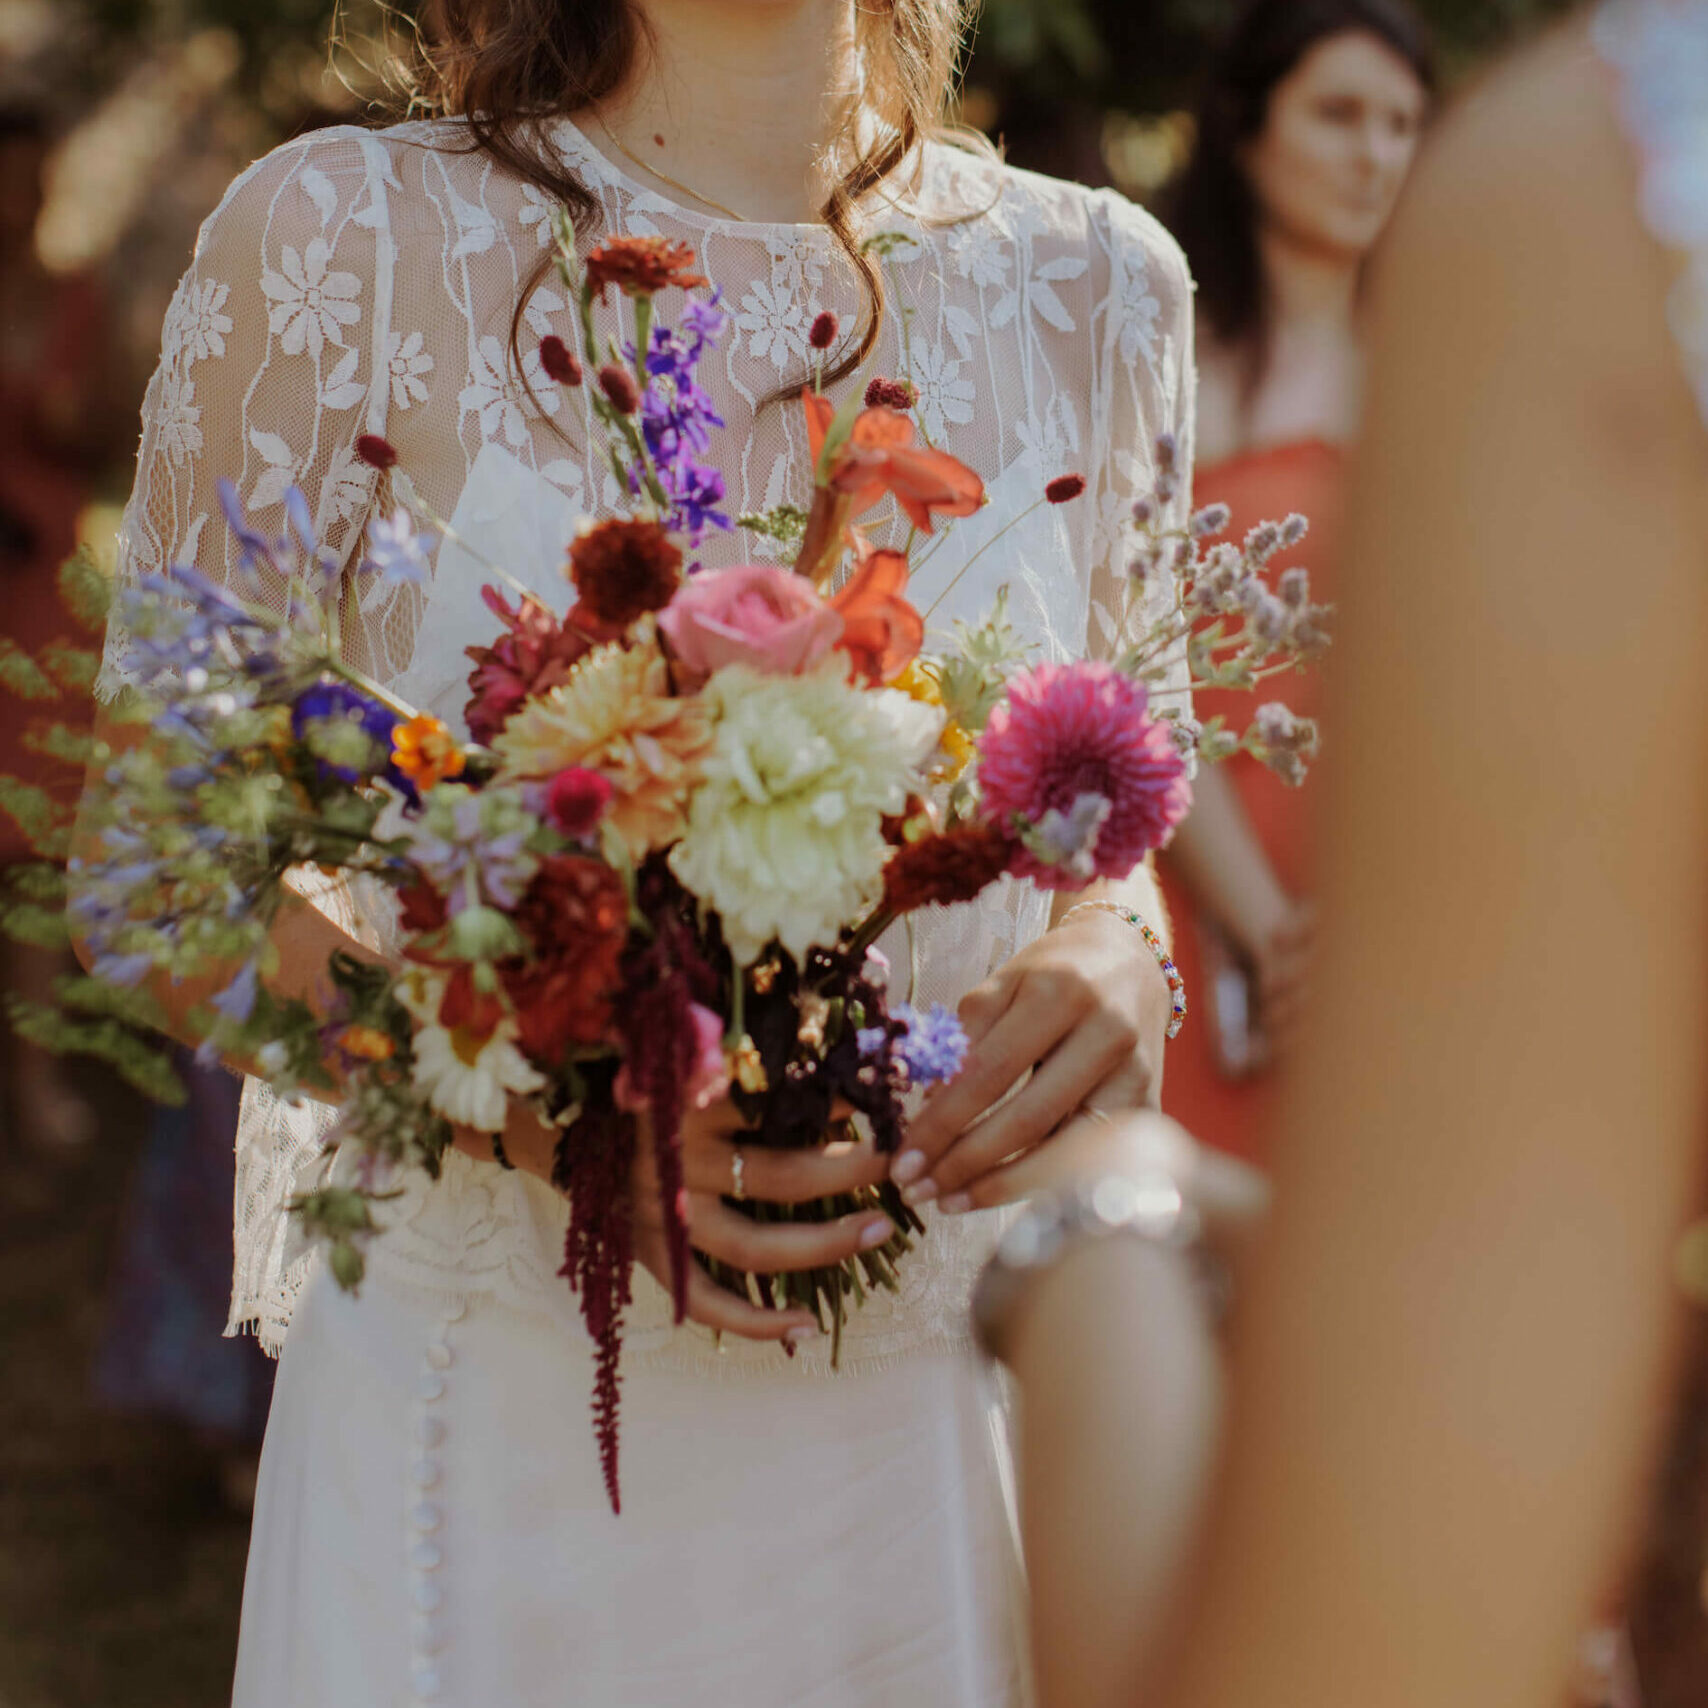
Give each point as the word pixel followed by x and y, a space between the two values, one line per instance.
pixel 431 1525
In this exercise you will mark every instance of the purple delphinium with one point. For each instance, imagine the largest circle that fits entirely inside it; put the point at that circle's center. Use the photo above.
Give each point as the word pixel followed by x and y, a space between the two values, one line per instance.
pixel 677 416
pixel 934 1045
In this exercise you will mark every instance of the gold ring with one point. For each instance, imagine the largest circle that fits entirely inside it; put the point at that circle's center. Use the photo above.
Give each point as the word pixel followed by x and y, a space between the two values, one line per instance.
pixel 738 1165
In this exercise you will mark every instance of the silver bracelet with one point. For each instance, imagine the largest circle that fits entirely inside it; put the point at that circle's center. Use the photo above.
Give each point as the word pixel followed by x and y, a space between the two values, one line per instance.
pixel 1150 1207
pixel 1176 984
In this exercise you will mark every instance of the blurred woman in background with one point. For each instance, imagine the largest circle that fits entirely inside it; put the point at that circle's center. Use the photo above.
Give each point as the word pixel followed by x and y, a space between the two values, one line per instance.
pixel 1306 131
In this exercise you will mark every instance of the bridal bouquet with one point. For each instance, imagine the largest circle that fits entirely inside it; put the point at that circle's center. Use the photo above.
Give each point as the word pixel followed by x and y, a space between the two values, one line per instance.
pixel 687 805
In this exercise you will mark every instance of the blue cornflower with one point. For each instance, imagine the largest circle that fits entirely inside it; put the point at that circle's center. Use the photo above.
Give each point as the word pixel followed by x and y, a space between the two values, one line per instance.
pixel 331 699
pixel 934 1045
pixel 396 553
pixel 237 1001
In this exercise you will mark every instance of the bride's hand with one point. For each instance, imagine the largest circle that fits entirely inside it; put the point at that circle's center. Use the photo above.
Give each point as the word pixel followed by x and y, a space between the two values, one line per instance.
pixel 1084 1011
pixel 710 1142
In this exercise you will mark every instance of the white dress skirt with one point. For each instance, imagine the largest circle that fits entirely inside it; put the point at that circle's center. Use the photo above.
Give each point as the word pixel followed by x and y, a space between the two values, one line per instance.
pixel 432 1526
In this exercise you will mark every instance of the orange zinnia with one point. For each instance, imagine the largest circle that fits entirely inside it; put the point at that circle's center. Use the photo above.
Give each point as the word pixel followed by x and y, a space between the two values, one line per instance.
pixel 425 751
pixel 880 456
pixel 881 631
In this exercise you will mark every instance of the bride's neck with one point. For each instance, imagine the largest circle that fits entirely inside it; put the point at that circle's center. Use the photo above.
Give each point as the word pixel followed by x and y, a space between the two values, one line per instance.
pixel 737 99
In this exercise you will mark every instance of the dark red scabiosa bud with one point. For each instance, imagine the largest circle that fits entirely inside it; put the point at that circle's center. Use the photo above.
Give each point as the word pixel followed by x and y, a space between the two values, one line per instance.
pixel 559 361
pixel 618 385
pixel 825 326
pixel 376 452
pixel 576 800
pixel 890 394
pixel 1065 488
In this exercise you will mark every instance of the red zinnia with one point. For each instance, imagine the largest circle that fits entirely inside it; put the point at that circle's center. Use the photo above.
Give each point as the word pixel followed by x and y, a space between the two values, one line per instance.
pixel 559 361
pixel 376 452
pixel 622 569
pixel 640 266
pixel 943 870
pixel 1065 488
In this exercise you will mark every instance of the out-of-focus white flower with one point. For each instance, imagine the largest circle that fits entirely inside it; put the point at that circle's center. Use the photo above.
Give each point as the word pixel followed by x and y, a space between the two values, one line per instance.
pixel 785 836
pixel 466 1077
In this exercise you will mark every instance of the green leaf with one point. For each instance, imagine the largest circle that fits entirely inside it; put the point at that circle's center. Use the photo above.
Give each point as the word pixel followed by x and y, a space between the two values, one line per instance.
pixel 37 880
pixel 33 809
pixel 21 675
pixel 96 999
pixel 74 668
pixel 40 927
pixel 85 589
pixel 62 742
pixel 142 1064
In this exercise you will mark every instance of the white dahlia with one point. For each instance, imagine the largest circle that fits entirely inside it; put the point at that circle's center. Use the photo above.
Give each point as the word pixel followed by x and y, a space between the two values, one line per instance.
pixel 468 1077
pixel 785 833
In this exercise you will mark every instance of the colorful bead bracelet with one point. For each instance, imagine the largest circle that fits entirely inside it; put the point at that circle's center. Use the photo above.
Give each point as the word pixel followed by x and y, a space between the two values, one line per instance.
pixel 1176 984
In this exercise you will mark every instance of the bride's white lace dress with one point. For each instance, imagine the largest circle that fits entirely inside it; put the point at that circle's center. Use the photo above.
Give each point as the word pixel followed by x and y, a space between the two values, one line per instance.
pixel 431 1525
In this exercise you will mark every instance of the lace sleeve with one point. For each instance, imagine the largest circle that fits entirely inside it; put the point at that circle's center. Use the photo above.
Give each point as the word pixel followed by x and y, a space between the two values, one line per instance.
pixel 1147 385
pixel 274 360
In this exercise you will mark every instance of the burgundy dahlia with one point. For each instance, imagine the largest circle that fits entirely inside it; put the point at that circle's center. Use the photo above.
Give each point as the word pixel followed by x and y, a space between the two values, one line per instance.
pixel 1067 732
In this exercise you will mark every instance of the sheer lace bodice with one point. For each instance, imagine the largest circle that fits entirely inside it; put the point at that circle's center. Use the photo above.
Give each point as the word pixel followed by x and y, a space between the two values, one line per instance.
pixel 363 282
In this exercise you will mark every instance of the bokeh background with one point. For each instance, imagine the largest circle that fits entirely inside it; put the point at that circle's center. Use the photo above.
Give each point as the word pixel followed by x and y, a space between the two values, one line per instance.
pixel 123 1522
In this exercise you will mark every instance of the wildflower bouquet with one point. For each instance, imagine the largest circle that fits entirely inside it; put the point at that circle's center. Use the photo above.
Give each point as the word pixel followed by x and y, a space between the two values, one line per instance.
pixel 687 806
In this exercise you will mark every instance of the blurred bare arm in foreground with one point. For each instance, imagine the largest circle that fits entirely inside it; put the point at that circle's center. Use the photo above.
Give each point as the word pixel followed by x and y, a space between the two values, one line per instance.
pixel 1452 1361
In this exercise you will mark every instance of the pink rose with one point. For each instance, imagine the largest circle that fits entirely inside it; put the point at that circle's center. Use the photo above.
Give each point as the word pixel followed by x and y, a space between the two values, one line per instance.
pixel 764 617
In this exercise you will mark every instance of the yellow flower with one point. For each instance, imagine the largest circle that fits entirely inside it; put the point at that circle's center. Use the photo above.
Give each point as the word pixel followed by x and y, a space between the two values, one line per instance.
pixel 616 715
pixel 954 744
pixel 425 751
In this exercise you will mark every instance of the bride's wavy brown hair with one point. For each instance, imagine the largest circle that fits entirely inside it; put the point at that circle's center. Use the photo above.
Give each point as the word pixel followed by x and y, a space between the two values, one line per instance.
pixel 510 68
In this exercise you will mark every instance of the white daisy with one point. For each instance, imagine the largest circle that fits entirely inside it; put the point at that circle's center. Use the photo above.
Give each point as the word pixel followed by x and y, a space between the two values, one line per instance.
pixel 467 1079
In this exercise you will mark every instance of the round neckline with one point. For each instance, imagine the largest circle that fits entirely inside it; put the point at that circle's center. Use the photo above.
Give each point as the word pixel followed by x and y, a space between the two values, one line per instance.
pixel 617 173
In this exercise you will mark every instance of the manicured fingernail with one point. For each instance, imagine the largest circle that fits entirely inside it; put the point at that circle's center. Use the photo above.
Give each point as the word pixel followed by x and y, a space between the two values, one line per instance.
pixel 956 1204
pixel 802 1336
pixel 920 1192
pixel 908 1166
pixel 876 1232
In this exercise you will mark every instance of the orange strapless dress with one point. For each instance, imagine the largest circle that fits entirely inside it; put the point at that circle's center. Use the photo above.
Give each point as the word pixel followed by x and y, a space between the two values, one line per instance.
pixel 1233 1114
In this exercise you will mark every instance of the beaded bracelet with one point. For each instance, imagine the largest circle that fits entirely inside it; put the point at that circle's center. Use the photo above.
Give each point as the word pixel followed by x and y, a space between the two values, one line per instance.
pixel 1176 984
pixel 499 1154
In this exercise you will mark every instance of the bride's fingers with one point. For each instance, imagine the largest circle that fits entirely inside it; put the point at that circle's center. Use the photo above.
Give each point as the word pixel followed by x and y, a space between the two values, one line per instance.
pixel 784 1177
pixel 770 1248
pixel 1061 1083
pixel 717 1308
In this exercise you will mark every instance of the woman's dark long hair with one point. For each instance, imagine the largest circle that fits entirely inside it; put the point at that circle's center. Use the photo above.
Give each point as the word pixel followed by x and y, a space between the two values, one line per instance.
pixel 1212 210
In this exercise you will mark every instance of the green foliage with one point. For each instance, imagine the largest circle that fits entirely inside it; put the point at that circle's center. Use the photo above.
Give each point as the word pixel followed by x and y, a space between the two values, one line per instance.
pixel 141 1063
pixel 95 999
pixel 74 668
pixel 785 523
pixel 41 818
pixel 62 742
pixel 85 590
pixel 41 927
pixel 21 675
pixel 35 880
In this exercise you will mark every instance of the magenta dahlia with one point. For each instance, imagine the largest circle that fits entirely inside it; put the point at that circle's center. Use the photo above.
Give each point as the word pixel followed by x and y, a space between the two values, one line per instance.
pixel 1066 736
